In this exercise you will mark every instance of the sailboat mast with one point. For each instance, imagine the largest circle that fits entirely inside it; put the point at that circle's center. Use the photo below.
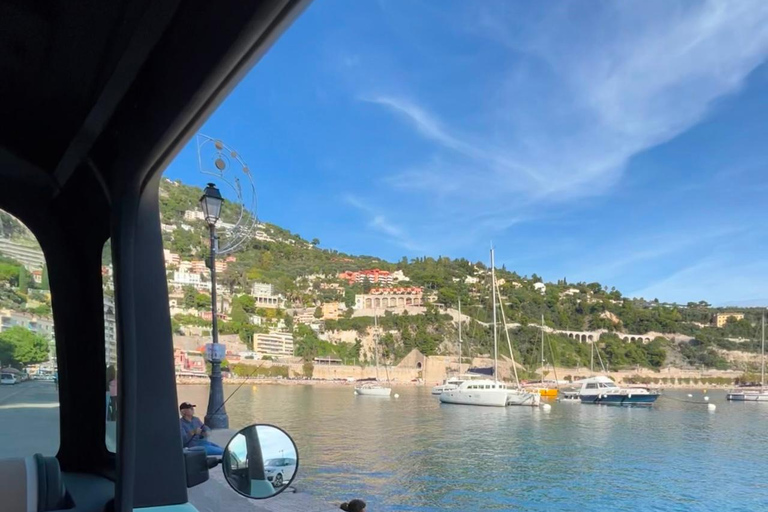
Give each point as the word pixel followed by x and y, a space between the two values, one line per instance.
pixel 762 356
pixel 376 342
pixel 542 349
pixel 592 358
pixel 459 335
pixel 495 334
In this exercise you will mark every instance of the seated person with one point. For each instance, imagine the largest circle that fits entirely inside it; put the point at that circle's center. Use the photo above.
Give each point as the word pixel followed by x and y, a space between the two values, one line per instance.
pixel 194 433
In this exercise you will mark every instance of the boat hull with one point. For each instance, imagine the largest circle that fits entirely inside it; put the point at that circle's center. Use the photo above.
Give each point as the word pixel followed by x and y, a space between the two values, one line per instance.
pixel 374 391
pixel 525 398
pixel 746 396
pixel 620 399
pixel 485 398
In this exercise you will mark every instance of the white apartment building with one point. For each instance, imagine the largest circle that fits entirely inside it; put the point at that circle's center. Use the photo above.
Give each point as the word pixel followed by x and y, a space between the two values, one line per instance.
pixel 181 278
pixel 265 297
pixel 275 344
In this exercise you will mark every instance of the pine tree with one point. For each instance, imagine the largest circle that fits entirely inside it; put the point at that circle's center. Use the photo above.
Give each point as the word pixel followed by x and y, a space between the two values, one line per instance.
pixel 44 283
pixel 23 280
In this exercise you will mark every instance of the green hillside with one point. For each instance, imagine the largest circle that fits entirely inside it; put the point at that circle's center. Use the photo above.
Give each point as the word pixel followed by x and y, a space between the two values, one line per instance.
pixel 288 258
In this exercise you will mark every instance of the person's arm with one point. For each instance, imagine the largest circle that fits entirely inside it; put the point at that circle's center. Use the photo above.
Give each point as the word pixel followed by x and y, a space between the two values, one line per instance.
pixel 205 430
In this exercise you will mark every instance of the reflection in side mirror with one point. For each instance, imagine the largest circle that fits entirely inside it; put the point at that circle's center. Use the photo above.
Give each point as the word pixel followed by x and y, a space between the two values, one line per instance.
pixel 260 461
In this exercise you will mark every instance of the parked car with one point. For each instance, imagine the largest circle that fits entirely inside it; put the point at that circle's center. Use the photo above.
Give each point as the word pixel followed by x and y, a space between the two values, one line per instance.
pixel 7 378
pixel 279 470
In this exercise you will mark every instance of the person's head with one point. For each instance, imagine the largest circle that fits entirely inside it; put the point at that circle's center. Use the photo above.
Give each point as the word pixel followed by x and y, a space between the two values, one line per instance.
pixel 187 410
pixel 353 506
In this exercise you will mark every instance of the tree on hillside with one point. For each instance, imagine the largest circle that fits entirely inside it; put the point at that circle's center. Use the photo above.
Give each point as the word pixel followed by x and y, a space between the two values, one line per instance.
pixel 9 274
pixel 45 284
pixel 349 297
pixel 202 301
pixel 306 343
pixel 247 302
pixel 190 294
pixel 22 347
pixel 318 312
pixel 315 242
pixel 23 280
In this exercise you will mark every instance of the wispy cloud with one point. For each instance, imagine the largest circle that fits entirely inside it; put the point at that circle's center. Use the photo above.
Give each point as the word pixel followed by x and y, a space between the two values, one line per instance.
pixel 714 279
pixel 582 96
pixel 379 222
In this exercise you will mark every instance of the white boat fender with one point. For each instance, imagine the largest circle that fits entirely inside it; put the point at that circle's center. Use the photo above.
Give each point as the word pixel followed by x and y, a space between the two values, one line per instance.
pixel 690 395
pixel 355 391
pixel 706 399
pixel 629 395
pixel 546 407
pixel 397 396
pixel 711 407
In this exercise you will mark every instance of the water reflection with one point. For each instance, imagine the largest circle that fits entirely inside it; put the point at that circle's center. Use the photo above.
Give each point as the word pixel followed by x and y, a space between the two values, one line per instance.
pixel 413 453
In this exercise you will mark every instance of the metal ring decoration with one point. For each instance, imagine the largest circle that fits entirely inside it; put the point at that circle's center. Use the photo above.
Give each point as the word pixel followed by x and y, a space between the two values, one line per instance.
pixel 220 161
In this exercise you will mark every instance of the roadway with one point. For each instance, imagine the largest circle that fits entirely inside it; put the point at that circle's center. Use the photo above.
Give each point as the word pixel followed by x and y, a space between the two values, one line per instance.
pixel 29 423
pixel 29 419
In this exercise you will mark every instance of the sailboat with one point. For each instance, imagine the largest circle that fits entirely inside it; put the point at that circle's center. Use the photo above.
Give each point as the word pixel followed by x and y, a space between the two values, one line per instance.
pixel 375 388
pixel 516 395
pixel 755 394
pixel 455 381
pixel 542 387
pixel 486 392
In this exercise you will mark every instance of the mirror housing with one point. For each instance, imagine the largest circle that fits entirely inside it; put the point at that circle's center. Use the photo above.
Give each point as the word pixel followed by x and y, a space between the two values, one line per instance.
pixel 260 461
pixel 196 465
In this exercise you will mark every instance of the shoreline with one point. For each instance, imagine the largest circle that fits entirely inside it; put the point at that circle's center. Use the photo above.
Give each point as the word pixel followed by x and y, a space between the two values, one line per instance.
pixel 200 381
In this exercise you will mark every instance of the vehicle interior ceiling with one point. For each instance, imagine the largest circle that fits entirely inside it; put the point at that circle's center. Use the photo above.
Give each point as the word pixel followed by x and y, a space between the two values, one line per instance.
pixel 95 100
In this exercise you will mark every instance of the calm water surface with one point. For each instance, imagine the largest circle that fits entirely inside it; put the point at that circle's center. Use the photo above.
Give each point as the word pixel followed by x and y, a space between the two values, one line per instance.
pixel 414 454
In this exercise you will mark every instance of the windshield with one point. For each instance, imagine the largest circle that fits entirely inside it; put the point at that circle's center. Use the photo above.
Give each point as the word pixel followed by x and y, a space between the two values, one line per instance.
pixel 403 191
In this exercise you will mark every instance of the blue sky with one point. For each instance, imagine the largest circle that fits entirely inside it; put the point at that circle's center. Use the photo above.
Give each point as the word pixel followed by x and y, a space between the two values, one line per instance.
pixel 620 142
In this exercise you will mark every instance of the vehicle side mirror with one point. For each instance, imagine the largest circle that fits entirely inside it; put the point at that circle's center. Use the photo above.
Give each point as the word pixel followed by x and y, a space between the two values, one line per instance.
pixel 260 461
pixel 196 465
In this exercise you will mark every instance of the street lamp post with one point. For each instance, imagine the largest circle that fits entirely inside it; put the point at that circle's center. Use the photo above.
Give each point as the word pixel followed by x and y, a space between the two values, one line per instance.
pixel 216 415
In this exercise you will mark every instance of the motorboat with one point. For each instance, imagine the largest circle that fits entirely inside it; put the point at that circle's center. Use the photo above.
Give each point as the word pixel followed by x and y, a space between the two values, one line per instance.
pixel 603 390
pixel 484 392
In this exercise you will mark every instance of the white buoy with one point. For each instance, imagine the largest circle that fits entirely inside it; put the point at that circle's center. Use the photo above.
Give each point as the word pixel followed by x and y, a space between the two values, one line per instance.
pixel 355 391
pixel 711 407
pixel 546 407
pixel 706 399
pixel 397 396
pixel 690 395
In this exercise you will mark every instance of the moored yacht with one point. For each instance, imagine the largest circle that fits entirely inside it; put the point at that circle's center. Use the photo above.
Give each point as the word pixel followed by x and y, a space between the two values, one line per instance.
pixel 454 382
pixel 602 390
pixel 485 392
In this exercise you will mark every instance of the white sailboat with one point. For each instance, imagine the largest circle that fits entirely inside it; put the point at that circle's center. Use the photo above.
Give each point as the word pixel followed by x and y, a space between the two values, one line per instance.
pixel 516 395
pixel 374 388
pixel 484 392
pixel 753 394
pixel 454 381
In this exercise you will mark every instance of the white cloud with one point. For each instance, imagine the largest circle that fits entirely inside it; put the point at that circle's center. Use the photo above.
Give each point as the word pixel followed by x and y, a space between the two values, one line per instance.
pixel 591 90
pixel 379 222
pixel 714 279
